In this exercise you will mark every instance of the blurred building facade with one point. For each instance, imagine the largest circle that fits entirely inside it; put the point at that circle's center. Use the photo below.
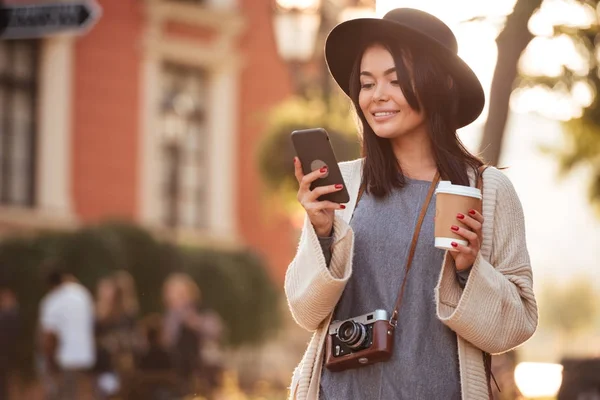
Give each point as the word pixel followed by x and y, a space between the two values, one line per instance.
pixel 153 115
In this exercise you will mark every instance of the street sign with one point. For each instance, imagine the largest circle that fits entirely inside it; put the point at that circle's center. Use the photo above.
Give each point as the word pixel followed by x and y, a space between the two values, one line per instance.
pixel 41 20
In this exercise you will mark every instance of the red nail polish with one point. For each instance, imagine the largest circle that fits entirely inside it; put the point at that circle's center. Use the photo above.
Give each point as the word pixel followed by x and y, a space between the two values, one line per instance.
pixel 342 206
pixel 323 170
pixel 454 228
pixel 460 216
pixel 339 186
pixel 472 212
pixel 454 244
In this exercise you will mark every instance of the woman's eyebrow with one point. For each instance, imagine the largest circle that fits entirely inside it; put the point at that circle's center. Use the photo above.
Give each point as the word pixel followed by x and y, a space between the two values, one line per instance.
pixel 386 72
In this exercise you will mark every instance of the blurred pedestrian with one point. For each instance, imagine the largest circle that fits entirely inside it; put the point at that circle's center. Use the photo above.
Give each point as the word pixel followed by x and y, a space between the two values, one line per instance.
pixel 126 285
pixel 115 330
pixel 67 337
pixel 9 333
pixel 192 334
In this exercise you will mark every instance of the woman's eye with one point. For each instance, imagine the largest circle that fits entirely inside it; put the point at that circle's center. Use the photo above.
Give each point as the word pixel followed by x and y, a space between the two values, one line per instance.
pixel 395 82
pixel 366 85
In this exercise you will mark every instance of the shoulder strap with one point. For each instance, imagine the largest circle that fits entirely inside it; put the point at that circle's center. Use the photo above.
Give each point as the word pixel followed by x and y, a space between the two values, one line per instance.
pixel 413 246
pixel 480 171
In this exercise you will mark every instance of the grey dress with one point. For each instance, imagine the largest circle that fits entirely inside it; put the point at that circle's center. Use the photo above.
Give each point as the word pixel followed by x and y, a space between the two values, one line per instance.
pixel 424 364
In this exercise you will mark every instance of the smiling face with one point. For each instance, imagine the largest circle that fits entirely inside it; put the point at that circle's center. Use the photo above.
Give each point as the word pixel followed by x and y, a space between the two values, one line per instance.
pixel 381 99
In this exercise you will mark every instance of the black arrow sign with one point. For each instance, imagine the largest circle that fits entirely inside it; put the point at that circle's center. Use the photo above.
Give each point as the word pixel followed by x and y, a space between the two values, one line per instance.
pixel 31 21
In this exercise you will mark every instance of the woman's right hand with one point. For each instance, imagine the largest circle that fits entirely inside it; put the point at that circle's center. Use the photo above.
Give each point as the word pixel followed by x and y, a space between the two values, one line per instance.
pixel 320 213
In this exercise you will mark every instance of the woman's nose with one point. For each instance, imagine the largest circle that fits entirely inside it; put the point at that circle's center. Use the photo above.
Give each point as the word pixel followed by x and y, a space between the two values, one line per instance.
pixel 380 93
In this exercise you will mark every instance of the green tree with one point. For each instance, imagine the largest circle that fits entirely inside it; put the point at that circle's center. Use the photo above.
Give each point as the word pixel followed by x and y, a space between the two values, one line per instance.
pixel 582 134
pixel 275 152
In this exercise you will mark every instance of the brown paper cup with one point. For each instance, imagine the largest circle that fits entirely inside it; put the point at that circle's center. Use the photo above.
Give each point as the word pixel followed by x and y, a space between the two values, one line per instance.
pixel 450 201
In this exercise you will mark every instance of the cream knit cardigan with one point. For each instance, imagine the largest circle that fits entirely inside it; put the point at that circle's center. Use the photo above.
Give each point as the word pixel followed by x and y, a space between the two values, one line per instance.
pixel 495 312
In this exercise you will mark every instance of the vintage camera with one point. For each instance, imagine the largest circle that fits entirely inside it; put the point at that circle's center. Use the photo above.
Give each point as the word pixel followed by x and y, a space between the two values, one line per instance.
pixel 359 341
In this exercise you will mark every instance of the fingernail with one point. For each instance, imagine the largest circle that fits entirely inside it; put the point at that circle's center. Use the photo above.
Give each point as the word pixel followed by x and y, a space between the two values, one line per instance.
pixel 339 186
pixel 323 170
pixel 295 160
pixel 342 206
pixel 460 216
pixel 454 244
pixel 454 228
pixel 472 212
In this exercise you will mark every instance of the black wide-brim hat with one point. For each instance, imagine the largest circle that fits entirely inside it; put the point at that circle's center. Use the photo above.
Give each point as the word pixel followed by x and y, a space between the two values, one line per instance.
pixel 345 42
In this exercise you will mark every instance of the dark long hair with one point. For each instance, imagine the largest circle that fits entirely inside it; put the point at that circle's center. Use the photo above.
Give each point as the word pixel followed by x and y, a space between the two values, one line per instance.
pixel 429 87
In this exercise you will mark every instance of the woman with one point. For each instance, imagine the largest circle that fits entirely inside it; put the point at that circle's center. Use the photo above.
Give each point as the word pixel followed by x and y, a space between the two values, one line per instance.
pixel 411 92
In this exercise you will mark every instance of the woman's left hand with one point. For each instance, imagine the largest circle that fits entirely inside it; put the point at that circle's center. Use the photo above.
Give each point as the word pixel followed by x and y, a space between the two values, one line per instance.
pixel 464 255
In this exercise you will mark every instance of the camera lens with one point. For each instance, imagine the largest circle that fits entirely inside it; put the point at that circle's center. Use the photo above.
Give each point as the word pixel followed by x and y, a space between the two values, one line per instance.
pixel 352 334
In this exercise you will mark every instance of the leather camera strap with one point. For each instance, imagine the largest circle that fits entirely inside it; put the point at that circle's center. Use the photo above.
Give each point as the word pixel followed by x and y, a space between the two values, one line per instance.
pixel 413 246
pixel 487 359
pixel 480 171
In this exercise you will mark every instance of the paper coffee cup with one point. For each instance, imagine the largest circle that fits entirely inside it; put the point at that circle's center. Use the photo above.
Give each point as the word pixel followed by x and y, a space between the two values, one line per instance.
pixel 450 201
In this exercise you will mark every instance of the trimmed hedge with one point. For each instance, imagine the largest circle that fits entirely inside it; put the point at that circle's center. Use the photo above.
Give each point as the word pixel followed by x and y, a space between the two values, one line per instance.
pixel 234 283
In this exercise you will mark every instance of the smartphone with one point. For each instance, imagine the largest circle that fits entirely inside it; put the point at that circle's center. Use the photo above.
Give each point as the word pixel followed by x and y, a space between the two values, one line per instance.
pixel 314 150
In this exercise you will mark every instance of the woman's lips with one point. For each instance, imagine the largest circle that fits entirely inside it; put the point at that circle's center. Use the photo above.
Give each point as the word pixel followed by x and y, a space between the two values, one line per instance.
pixel 383 116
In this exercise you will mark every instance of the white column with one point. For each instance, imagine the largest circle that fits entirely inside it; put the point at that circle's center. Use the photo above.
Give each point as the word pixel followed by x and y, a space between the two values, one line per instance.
pixel 149 194
pixel 222 166
pixel 54 190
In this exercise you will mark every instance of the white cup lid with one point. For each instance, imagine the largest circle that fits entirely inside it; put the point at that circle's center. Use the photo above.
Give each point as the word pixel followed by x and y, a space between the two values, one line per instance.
pixel 448 188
